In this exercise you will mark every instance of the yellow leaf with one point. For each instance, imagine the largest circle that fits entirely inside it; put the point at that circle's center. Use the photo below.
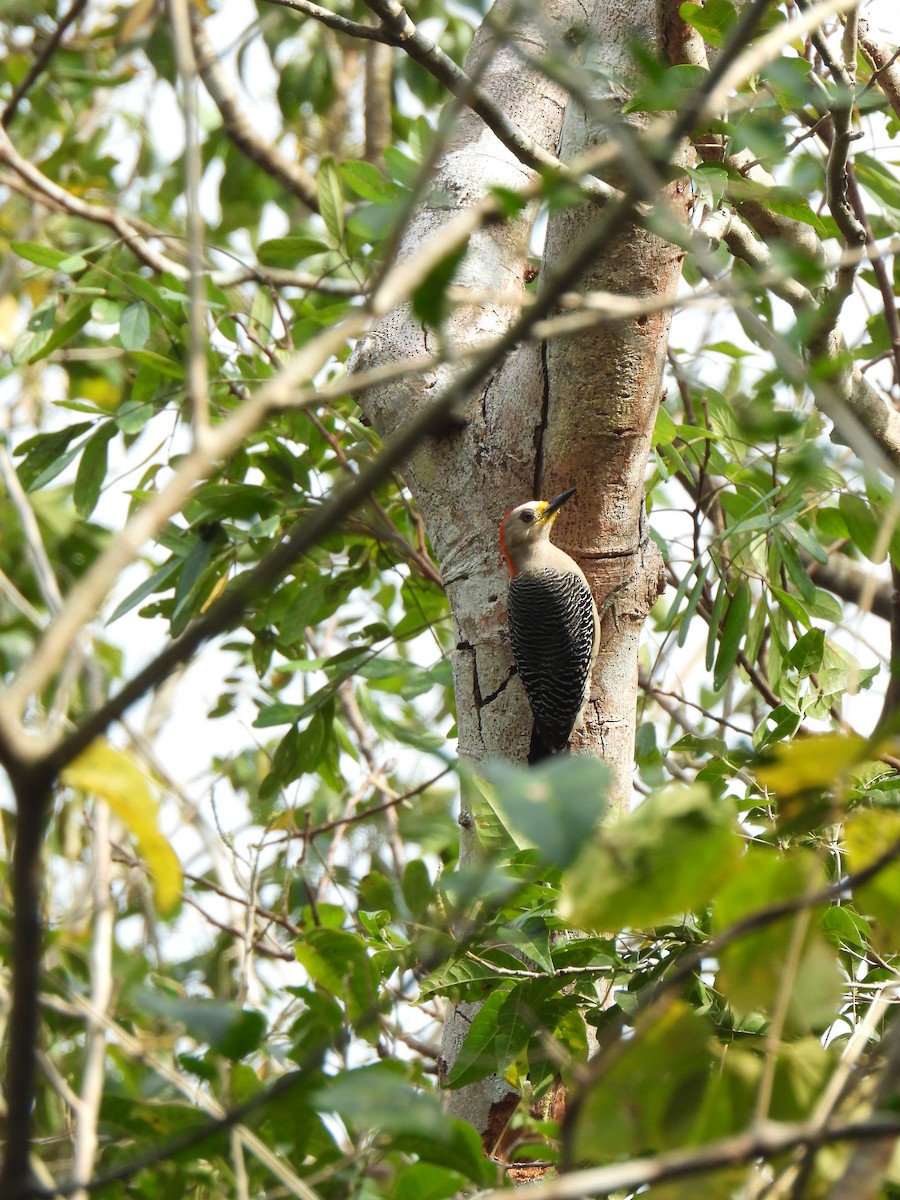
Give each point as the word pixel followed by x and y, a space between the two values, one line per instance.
pixel 812 762
pixel 10 320
pixel 217 590
pixel 115 777
pixel 141 14
pixel 868 834
pixel 102 391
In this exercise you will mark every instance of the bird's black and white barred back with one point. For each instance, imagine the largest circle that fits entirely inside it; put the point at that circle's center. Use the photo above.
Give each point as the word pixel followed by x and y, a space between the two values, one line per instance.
pixel 551 626
pixel 553 623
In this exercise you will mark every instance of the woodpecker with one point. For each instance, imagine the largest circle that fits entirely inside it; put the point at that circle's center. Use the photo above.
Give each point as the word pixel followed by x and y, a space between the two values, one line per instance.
pixel 554 625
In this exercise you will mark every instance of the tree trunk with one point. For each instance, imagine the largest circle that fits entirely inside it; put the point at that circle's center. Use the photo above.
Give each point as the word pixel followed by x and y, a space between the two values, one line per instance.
pixel 578 412
pixel 603 389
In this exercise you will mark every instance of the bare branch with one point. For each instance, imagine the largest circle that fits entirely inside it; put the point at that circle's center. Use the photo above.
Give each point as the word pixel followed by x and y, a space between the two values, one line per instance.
pixel 86 596
pixel 102 935
pixel 293 177
pixel 39 65
pixel 99 214
pixel 186 67
pixel 765 1140
pixel 887 73
pixel 369 33
pixel 34 543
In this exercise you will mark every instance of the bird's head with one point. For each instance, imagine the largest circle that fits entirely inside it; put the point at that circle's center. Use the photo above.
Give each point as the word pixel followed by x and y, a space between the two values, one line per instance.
pixel 528 524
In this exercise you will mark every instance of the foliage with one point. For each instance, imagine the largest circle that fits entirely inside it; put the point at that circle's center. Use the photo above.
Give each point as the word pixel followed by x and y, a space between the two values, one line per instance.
pixel 253 919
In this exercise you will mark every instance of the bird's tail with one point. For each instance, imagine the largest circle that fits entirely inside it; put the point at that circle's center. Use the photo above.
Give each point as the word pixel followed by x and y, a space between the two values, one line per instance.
pixel 543 746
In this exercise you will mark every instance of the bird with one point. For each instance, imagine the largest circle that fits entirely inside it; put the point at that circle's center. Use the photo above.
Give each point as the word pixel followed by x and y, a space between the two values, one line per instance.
pixel 554 625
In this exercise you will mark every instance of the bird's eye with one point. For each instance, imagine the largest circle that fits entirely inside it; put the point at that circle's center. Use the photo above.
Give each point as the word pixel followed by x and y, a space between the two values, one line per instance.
pixel 527 516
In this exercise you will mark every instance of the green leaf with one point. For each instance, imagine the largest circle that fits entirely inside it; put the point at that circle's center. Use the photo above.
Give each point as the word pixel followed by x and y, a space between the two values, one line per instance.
pixel 869 833
pixel 668 91
pixel 862 524
pixel 379 1098
pixel 338 961
pixel 806 655
pixel 191 572
pixel 289 251
pixel 158 362
pixel 664 430
pixel 715 620
pixel 843 926
pixel 43 452
pixel 279 713
pixel 713 20
pixel 811 762
pixel 44 333
pixel 650 1097
pixel 789 953
pixel 693 603
pixel 331 199
pixel 792 606
pixel 115 777
pixel 877 178
pixel 418 890
pixel 777 725
pixel 477 1057
pixel 229 1029
pixel 132 416
pixel 156 582
pixel 41 255
pixel 423 1181
pixel 667 857
pixel 134 326
pixel 733 630
pixel 781 200
pixel 366 180
pixel 92 469
pixel 429 300
pixel 554 807
pixel 681 591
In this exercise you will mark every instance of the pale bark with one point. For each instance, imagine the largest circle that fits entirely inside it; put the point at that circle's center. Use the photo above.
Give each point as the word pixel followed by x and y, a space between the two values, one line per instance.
pixel 465 480
pixel 603 390
pixel 581 413
pixel 379 84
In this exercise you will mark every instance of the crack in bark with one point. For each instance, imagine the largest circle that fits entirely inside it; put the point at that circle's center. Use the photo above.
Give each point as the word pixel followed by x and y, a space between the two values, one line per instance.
pixel 479 701
pixel 603 555
pixel 489 699
pixel 541 427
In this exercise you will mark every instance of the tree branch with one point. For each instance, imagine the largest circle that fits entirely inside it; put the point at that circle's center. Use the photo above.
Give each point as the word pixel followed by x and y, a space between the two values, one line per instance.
pixel 308 531
pixel 186 68
pixel 293 177
pixel 765 1140
pixel 886 72
pixel 87 595
pixel 655 998
pixel 34 797
pixel 368 33
pixel 39 65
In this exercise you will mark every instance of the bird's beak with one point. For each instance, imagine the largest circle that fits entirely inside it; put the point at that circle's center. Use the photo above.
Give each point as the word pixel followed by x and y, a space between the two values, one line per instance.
pixel 556 504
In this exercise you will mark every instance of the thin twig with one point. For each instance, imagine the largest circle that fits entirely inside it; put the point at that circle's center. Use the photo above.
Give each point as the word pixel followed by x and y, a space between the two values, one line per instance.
pixel 39 65
pixel 368 33
pixel 293 177
pixel 186 67
pixel 34 542
pixel 93 1077
pixel 655 998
